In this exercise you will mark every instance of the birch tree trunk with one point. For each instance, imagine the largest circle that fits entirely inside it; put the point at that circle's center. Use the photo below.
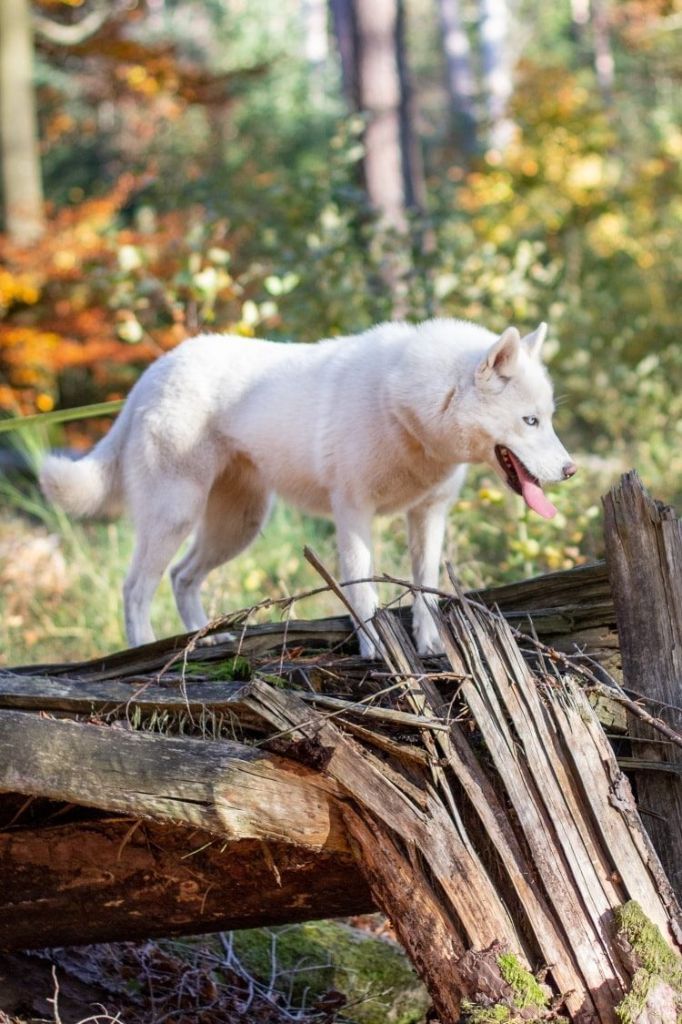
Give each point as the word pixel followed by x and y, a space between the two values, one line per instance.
pixel 314 19
pixel 497 70
pixel 21 179
pixel 603 54
pixel 460 75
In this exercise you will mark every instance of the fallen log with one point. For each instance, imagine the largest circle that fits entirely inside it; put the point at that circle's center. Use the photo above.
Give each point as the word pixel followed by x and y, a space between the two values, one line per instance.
pixel 187 807
pixel 111 878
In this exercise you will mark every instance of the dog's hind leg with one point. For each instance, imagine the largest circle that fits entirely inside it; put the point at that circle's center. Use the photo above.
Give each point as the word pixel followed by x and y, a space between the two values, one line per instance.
pixel 236 509
pixel 164 516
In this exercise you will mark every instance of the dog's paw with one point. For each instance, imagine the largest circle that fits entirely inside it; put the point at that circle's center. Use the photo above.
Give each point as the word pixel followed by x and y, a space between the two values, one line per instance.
pixel 216 638
pixel 427 639
pixel 369 645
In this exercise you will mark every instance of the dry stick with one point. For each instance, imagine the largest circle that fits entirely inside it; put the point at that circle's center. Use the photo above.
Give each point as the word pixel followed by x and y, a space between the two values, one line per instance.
pixel 655 723
pixel 336 587
pixel 437 773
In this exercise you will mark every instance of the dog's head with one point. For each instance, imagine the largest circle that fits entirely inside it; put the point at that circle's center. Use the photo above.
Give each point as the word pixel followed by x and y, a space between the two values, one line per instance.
pixel 515 405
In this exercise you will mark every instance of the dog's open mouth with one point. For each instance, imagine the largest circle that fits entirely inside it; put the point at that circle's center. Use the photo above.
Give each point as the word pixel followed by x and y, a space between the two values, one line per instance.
pixel 522 481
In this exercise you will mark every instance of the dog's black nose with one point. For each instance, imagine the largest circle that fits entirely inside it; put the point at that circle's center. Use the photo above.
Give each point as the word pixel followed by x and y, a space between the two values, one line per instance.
pixel 569 470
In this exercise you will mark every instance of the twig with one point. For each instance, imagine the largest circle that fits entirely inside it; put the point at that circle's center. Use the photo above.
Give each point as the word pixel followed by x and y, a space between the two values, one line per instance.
pixel 55 998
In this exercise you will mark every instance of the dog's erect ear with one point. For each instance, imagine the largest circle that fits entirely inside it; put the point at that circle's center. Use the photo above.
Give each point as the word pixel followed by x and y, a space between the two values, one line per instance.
pixel 534 341
pixel 500 359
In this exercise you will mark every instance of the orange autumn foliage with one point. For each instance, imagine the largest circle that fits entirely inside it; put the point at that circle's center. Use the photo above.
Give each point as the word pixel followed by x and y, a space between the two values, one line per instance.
pixel 94 296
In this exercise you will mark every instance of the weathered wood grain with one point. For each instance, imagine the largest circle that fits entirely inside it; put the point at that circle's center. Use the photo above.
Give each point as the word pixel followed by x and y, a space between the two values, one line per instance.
pixel 644 556
pixel 456 750
pixel 229 789
pixel 185 697
pixel 537 801
pixel 103 880
pixel 423 821
pixel 408 900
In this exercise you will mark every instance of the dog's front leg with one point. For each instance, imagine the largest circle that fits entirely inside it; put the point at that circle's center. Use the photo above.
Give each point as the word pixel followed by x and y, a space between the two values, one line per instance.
pixel 354 540
pixel 426 529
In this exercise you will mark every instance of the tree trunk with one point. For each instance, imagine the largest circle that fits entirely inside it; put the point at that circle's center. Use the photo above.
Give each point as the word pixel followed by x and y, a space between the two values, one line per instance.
pixel 314 19
pixel 346 32
pixel 370 36
pixel 496 62
pixel 644 554
pixel 21 178
pixel 603 54
pixel 460 75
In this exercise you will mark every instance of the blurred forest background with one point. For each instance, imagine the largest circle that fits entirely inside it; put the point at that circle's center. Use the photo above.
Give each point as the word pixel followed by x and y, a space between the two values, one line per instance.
pixel 298 169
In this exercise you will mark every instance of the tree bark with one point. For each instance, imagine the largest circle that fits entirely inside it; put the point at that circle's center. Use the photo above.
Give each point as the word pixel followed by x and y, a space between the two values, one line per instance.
pixel 460 74
pixel 229 789
pixel 370 35
pixel 346 33
pixel 644 557
pixel 21 177
pixel 127 878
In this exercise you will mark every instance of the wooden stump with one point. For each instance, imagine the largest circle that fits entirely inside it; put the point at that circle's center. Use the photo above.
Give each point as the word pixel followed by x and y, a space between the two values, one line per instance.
pixel 644 557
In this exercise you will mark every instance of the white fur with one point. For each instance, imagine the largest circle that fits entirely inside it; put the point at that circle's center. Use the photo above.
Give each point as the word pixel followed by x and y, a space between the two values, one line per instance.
pixel 376 423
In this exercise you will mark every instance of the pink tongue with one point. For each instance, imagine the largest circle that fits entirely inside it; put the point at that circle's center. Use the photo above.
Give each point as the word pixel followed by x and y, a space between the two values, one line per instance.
pixel 532 493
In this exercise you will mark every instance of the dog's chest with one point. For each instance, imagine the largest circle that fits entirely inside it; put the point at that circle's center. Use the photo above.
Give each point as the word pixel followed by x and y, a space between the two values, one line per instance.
pixel 406 476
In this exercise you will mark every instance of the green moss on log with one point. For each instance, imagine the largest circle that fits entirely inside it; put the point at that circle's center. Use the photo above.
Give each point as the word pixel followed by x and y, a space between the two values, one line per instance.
pixel 658 964
pixel 474 1013
pixel 527 990
pixel 311 958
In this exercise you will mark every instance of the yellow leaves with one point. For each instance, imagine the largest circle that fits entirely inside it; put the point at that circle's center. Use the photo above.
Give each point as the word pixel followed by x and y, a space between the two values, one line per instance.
pixel 254 580
pixel 57 126
pixel 17 288
pixel 672 143
pixel 26 360
pixel 483 190
pixel 491 496
pixel 129 328
pixel 138 79
pixel 44 402
pixel 588 172
pixel 65 259
pixel 129 258
pixel 608 233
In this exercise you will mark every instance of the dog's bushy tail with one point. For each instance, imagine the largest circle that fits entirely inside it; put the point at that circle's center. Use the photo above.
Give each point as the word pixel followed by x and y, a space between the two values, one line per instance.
pixel 88 486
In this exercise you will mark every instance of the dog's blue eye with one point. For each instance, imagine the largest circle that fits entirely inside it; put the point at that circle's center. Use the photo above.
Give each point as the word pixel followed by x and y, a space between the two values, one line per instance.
pixel 532 421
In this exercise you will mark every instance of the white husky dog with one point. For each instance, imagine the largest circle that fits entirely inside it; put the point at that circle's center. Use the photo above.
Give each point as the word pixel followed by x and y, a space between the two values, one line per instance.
pixel 349 428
